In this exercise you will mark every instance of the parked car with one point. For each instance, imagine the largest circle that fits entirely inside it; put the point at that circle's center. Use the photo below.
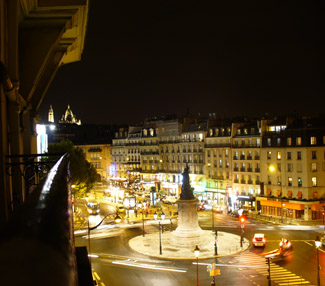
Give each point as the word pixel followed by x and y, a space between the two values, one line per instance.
pixel 259 240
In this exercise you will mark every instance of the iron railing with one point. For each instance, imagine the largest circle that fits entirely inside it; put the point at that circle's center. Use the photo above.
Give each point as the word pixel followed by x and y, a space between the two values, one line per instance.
pixel 37 244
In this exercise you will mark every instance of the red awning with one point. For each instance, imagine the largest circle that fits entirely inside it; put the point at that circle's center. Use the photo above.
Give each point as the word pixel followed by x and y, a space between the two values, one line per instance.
pixel 279 193
pixel 299 195
pixel 269 192
pixel 289 194
pixel 315 195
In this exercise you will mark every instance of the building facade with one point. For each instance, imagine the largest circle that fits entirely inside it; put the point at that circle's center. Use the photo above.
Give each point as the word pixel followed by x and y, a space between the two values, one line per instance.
pixel 271 166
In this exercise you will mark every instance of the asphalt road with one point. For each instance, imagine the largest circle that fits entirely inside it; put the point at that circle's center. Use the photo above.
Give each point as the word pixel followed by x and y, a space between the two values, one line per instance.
pixel 116 264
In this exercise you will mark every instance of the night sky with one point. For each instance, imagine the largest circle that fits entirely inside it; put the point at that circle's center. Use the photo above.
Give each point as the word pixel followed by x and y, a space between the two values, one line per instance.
pixel 233 58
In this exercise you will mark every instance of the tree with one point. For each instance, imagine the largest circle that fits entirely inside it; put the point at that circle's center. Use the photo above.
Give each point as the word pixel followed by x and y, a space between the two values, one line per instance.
pixel 83 175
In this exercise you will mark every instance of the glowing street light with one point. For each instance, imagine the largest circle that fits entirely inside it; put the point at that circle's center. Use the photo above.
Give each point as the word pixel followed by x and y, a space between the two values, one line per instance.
pixel 272 170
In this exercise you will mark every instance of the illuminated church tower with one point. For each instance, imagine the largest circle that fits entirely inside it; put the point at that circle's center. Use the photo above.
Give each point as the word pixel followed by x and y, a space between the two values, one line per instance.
pixel 51 114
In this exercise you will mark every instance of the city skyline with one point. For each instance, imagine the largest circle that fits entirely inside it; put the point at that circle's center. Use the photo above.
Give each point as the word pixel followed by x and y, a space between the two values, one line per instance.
pixel 144 61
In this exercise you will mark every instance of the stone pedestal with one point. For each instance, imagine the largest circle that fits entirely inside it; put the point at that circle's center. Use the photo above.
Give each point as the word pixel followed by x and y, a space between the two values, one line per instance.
pixel 188 232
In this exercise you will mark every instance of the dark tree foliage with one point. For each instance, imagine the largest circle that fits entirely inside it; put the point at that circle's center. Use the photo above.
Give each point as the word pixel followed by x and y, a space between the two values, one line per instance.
pixel 83 175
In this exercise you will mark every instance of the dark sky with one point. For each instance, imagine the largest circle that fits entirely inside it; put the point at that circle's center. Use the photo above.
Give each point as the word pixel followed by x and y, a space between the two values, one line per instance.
pixel 152 58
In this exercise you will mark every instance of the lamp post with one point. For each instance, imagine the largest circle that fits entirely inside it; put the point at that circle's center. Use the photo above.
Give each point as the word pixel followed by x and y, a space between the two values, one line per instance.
pixel 117 219
pixel 142 223
pixel 216 243
pixel 242 225
pixel 212 215
pixel 197 252
pixel 162 217
pixel 272 170
pixel 318 244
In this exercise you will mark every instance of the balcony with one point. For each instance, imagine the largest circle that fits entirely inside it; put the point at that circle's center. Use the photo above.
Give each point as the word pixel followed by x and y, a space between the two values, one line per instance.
pixel 249 170
pixel 41 233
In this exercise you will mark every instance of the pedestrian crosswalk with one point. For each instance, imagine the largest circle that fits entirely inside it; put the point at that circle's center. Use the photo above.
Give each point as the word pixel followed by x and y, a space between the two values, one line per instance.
pixel 279 275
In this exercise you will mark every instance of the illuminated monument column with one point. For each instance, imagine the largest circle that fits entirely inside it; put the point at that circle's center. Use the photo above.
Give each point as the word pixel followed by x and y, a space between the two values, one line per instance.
pixel 188 232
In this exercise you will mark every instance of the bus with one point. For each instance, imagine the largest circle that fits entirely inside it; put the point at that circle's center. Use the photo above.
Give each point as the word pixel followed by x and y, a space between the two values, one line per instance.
pixel 93 207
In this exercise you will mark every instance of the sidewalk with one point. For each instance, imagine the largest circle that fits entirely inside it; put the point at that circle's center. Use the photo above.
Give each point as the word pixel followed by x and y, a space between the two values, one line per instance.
pixel 284 220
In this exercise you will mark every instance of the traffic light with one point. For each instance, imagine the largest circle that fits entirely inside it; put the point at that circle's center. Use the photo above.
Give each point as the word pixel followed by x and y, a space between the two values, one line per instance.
pixel 242 219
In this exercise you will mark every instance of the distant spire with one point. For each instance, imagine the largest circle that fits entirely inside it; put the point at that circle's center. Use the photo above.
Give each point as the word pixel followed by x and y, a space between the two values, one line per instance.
pixel 51 114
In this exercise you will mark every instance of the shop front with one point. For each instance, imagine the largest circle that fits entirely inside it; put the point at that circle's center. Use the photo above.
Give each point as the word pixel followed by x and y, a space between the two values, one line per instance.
pixel 281 208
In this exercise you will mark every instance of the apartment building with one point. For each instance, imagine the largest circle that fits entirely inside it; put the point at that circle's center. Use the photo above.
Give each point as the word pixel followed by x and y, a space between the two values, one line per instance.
pixel 293 165
pixel 246 149
pixel 100 157
pixel 170 163
pixel 150 157
pixel 119 153
pixel 218 163
pixel 192 151
pixel 275 166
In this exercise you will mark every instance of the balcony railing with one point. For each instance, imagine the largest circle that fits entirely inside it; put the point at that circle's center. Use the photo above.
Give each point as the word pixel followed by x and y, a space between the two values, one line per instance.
pixel 41 233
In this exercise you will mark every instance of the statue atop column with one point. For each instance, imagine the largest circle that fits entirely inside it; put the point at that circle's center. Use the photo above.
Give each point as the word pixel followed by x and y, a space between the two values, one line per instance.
pixel 187 190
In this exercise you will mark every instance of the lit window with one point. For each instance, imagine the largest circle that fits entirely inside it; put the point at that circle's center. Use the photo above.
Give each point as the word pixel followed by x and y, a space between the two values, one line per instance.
pixel 298 141
pixel 299 182
pixel 278 141
pixel 245 131
pixel 279 156
pixel 268 141
pixel 314 180
pixel 289 141
pixel 269 155
pixel 289 181
pixel 312 140
pixel 314 167
pixel 211 132
pixel 238 132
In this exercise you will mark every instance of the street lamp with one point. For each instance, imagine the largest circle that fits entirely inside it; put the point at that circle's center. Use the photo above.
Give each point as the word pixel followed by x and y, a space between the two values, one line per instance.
pixel 142 223
pixel 242 225
pixel 162 217
pixel 197 252
pixel 272 170
pixel 318 243
pixel 117 219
